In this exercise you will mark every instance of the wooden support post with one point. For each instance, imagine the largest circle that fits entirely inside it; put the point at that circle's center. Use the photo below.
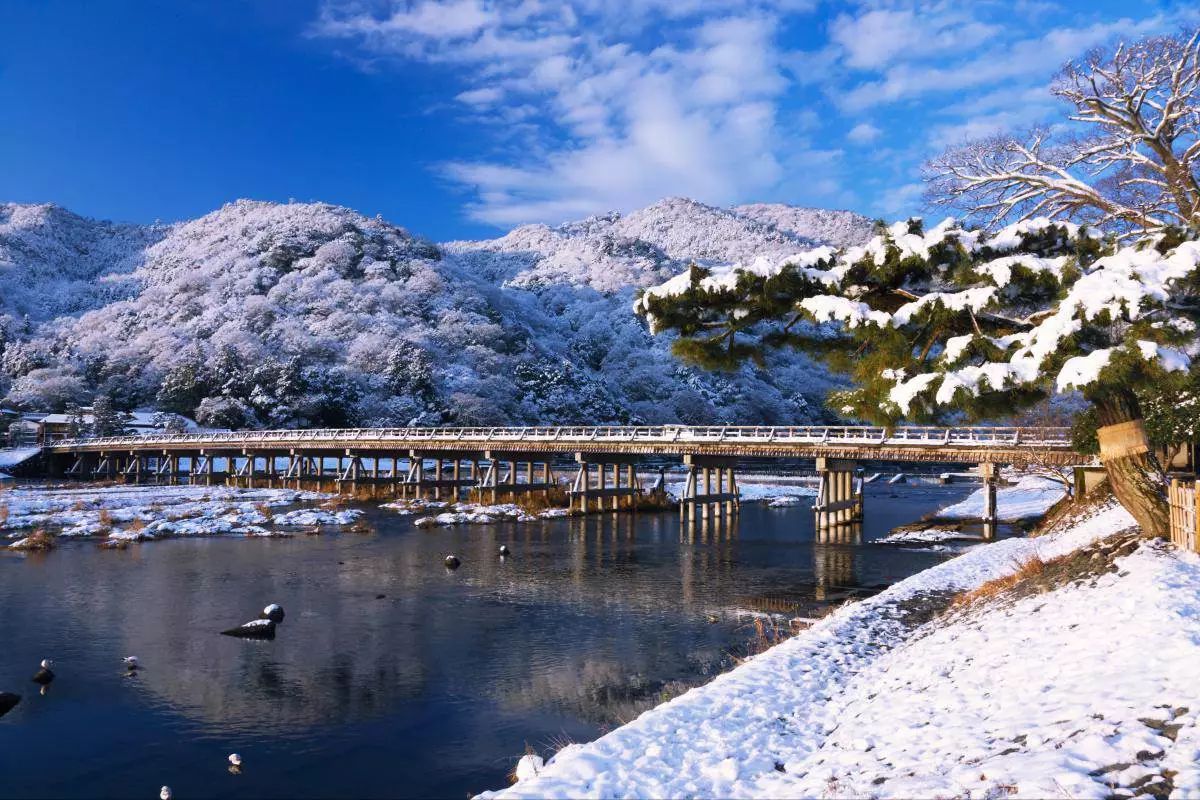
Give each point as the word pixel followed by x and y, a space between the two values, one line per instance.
pixel 706 482
pixel 631 477
pixel 990 516
pixel 616 484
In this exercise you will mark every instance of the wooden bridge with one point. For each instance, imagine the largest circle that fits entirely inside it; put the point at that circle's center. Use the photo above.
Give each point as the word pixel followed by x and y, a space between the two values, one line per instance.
pixel 511 461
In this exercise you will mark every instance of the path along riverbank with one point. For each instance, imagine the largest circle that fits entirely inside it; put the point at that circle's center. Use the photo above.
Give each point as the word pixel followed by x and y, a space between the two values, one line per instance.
pixel 1054 666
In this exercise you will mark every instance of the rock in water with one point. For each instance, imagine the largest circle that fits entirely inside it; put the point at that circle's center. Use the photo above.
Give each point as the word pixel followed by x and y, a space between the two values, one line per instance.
pixel 452 562
pixel 131 663
pixel 273 612
pixel 503 549
pixel 254 629
pixel 44 675
pixel 165 793
pixel 8 702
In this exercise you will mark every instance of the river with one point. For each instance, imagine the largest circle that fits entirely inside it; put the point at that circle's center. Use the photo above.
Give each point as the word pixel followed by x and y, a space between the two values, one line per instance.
pixel 393 676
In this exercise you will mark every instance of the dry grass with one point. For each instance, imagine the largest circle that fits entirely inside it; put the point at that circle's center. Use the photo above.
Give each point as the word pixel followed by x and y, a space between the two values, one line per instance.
pixel 3 514
pixel 265 510
pixel 768 632
pixel 335 503
pixel 1030 569
pixel 137 526
pixel 39 540
pixel 1036 575
pixel 535 502
pixel 106 521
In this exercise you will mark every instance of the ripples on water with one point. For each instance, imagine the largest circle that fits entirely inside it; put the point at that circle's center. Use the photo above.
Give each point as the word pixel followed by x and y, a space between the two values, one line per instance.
pixel 432 690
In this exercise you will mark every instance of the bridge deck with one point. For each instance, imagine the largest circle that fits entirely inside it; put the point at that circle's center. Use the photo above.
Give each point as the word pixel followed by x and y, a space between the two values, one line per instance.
pixel 968 445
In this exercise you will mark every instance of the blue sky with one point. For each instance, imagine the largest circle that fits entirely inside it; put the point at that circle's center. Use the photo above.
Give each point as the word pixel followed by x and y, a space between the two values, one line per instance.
pixel 456 118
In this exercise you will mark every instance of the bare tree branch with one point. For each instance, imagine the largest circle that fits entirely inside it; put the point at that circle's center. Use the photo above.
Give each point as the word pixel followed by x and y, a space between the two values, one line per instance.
pixel 1136 170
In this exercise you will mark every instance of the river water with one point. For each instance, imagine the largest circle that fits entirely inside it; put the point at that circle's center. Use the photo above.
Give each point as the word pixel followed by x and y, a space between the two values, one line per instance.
pixel 392 676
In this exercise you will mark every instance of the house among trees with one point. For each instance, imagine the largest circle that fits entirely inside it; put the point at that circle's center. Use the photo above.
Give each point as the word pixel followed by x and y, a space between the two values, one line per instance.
pixel 33 429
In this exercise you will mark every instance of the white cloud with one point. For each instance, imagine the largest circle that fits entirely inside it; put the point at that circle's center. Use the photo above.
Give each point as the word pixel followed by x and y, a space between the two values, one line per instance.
pixel 901 202
pixel 590 105
pixel 879 37
pixel 691 109
pixel 1006 61
pixel 439 20
pixel 863 133
pixel 483 96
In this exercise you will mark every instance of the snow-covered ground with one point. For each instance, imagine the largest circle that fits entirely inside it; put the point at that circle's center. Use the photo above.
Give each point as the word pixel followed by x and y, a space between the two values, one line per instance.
pixel 150 512
pixel 923 536
pixel 1030 498
pixel 476 514
pixel 1034 697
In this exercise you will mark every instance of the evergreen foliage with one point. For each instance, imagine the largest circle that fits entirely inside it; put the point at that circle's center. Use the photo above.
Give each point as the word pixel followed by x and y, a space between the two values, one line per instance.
pixel 952 324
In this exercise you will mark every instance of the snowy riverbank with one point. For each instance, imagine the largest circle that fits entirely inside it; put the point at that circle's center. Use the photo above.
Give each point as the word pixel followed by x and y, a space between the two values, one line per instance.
pixel 134 513
pixel 451 514
pixel 1029 498
pixel 905 694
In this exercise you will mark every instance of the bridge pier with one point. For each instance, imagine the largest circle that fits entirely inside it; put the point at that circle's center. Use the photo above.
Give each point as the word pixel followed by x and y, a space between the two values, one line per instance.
pixel 839 501
pixel 420 483
pixel 496 482
pixel 608 481
pixel 706 473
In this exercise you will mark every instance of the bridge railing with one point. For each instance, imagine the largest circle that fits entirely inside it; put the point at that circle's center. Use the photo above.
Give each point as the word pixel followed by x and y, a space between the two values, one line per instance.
pixel 910 435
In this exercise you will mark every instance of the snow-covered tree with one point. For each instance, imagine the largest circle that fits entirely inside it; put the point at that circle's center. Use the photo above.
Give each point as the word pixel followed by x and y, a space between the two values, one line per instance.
pixel 1128 161
pixel 169 423
pixel 106 419
pixel 77 424
pixel 953 323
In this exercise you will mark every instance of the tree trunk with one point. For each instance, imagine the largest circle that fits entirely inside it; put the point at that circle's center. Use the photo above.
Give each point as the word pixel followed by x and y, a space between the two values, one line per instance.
pixel 1133 472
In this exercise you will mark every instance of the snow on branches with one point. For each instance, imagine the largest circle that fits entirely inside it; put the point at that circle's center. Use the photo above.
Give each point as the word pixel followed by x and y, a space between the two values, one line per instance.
pixel 1129 165
pixel 951 319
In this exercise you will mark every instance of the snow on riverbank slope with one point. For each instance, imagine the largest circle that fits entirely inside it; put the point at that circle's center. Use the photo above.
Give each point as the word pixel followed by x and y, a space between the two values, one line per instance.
pixel 1036 697
pixel 1030 498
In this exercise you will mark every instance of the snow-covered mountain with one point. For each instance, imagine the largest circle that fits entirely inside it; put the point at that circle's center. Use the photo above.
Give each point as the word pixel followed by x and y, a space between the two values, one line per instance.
pixel 298 314
pixel 53 262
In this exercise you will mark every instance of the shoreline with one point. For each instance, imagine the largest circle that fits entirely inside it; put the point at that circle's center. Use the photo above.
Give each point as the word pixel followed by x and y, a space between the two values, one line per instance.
pixel 774 726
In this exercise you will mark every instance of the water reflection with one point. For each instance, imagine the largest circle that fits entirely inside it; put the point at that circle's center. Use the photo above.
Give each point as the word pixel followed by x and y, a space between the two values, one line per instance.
pixel 432 689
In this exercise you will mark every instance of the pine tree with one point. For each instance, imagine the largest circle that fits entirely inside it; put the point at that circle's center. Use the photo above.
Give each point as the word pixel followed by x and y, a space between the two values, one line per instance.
pixel 954 323
pixel 77 426
pixel 106 420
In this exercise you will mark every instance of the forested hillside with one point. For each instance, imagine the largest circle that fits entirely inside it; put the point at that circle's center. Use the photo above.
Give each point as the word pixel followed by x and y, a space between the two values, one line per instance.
pixel 264 314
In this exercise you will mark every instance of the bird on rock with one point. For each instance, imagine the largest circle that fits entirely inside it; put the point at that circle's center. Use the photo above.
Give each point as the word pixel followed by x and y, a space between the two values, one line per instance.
pixel 44 675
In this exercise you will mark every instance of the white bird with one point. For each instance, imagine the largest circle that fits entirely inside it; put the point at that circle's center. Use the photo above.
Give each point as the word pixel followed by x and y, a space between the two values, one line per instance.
pixel 235 759
pixel 131 662
pixel 165 793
